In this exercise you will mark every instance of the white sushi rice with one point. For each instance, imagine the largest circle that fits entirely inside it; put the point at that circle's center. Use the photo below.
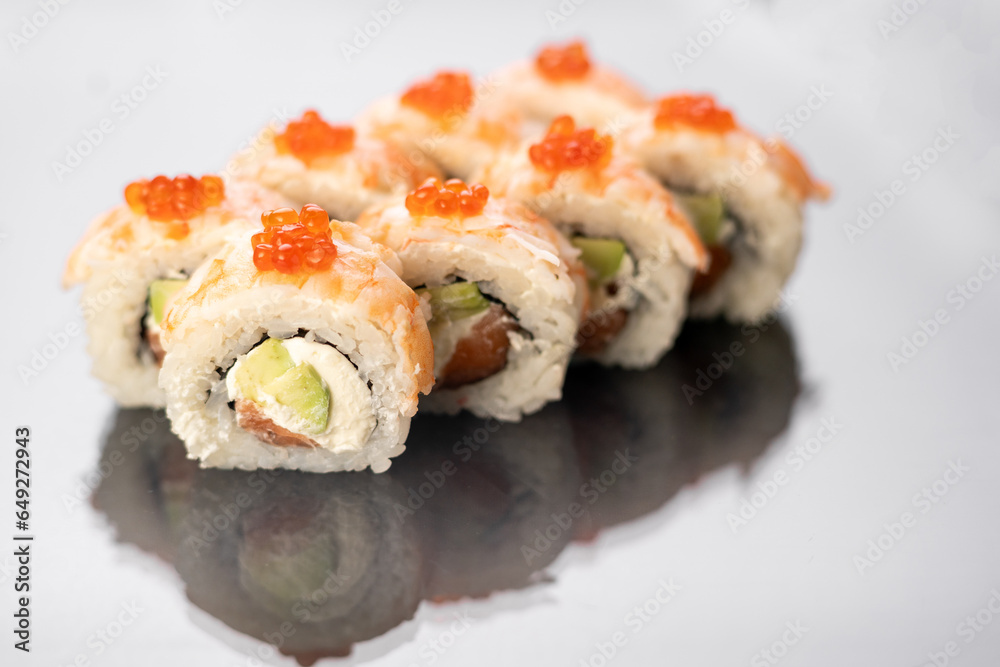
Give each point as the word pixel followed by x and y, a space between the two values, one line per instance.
pixel 212 337
pixel 525 273
pixel 767 208
pixel 344 185
pixel 627 204
pixel 117 280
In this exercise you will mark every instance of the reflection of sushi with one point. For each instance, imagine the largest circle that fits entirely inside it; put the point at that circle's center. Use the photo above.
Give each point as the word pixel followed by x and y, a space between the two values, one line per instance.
pixel 639 250
pixel 311 161
pixel 297 347
pixel 505 299
pixel 320 562
pixel 445 120
pixel 744 194
pixel 145 481
pixel 562 79
pixel 673 438
pixel 136 255
pixel 497 509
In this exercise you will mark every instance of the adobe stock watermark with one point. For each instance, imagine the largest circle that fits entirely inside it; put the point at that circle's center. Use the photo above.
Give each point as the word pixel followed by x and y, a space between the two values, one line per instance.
pixel 365 35
pixel 464 449
pixel 133 438
pixel 967 630
pixel 561 12
pixel 914 169
pixel 41 357
pixel 635 620
pixel 104 637
pixel 795 461
pixel 900 15
pixel 705 378
pixel 223 8
pixel 923 501
pixel 31 24
pixel 960 295
pixel 703 40
pixel 590 491
pixel 779 648
pixel 123 107
pixel 208 530
pixel 434 648
pixel 250 147
pixel 798 117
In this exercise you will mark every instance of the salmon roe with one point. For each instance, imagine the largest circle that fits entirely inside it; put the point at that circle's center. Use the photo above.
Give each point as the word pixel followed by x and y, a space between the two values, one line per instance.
pixel 292 242
pixel 445 92
pixel 311 137
pixel 565 147
pixel 453 198
pixel 695 111
pixel 563 63
pixel 174 200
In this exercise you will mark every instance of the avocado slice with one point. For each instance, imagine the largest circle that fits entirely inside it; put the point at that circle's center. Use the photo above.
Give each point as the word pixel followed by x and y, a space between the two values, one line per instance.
pixel 302 390
pixel 602 256
pixel 262 365
pixel 159 292
pixel 457 300
pixel 707 213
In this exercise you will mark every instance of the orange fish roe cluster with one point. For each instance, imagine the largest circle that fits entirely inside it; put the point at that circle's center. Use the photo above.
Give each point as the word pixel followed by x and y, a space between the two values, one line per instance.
pixel 453 198
pixel 292 242
pixel 445 92
pixel 565 147
pixel 696 111
pixel 311 137
pixel 174 200
pixel 563 63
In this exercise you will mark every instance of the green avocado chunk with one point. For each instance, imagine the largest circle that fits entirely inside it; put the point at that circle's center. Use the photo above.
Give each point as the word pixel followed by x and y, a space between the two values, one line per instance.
pixel 159 292
pixel 707 213
pixel 602 256
pixel 302 390
pixel 265 363
pixel 457 300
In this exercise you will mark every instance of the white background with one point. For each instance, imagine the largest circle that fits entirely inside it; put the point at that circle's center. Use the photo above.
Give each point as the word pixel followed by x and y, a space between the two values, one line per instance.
pixel 228 72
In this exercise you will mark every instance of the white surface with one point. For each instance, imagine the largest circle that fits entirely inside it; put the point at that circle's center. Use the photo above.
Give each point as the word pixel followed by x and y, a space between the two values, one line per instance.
pixel 227 76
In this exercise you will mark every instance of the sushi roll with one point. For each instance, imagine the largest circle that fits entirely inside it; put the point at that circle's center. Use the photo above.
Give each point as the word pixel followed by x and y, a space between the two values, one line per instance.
pixel 504 291
pixel 312 161
pixel 296 347
pixel 445 121
pixel 744 194
pixel 639 249
pixel 136 255
pixel 562 79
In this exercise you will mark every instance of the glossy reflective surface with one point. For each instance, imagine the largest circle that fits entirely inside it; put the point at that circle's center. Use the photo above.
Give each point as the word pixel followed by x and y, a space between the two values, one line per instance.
pixel 777 497
pixel 317 563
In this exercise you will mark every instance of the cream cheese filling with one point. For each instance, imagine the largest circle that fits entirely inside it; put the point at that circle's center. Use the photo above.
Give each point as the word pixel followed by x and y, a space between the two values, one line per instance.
pixel 352 416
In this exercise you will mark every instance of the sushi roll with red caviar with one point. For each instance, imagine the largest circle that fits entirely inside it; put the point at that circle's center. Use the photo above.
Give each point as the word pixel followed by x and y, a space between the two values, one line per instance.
pixel 562 79
pixel 744 194
pixel 296 346
pixel 133 258
pixel 505 292
pixel 638 248
pixel 330 165
pixel 444 121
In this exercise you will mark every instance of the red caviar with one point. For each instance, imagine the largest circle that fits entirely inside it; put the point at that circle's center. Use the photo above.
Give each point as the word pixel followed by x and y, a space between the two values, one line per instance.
pixel 563 63
pixel 695 111
pixel 445 92
pixel 311 137
pixel 453 198
pixel 174 200
pixel 565 147
pixel 294 241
